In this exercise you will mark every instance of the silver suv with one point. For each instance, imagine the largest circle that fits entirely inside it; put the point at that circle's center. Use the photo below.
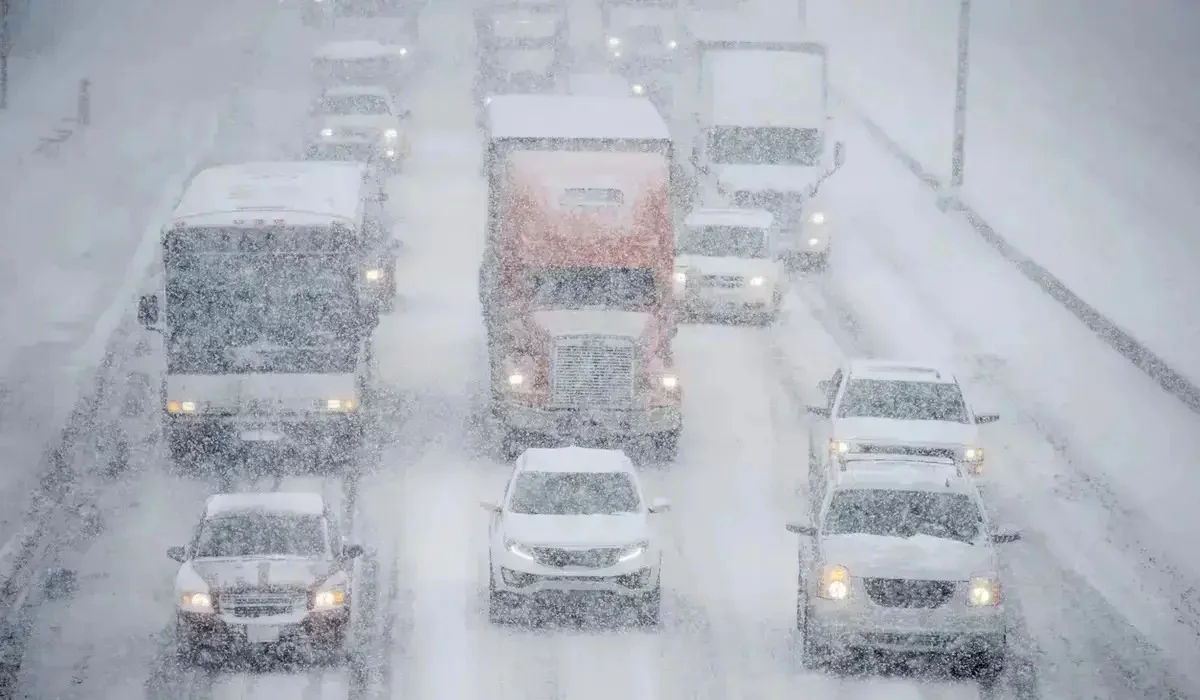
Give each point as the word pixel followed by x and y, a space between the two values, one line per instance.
pixel 903 560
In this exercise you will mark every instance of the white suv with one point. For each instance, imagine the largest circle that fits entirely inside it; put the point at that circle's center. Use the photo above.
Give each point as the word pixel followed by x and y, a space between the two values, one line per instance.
pixel 574 522
pixel 726 265
pixel 893 407
pixel 904 560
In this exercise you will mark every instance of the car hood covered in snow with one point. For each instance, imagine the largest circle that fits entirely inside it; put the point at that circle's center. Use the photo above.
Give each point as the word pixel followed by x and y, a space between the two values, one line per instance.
pixel 262 572
pixel 906 432
pixel 920 557
pixel 576 530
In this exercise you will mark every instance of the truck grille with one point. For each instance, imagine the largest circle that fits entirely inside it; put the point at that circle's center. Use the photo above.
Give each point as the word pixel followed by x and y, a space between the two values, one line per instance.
pixel 260 604
pixel 726 281
pixel 351 133
pixel 910 450
pixel 902 593
pixel 592 370
pixel 587 558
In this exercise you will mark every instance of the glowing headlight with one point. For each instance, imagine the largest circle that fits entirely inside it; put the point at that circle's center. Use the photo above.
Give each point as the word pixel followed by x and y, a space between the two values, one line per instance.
pixel 403 51
pixel 835 583
pixel 181 407
pixel 633 551
pixel 516 380
pixel 329 599
pixel 839 447
pixel 973 454
pixel 814 241
pixel 613 42
pixel 817 218
pixel 669 382
pixel 519 550
pixel 326 133
pixel 389 153
pixel 339 404
pixel 487 100
pixel 638 89
pixel 672 44
pixel 391 135
pixel 757 281
pixel 373 275
pixel 983 591
pixel 681 277
pixel 195 602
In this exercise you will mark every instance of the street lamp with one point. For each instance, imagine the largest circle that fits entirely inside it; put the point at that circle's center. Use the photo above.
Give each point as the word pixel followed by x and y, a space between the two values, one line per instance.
pixel 950 197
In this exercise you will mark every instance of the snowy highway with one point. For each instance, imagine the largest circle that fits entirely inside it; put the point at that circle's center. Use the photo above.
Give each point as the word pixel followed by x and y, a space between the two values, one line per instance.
pixel 1103 613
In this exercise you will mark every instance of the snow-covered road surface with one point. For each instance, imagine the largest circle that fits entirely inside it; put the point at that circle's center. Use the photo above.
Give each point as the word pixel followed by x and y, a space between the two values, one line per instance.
pixel 1081 144
pixel 421 630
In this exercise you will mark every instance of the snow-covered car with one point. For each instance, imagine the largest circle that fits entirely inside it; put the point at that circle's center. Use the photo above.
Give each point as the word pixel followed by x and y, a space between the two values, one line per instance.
pixel 726 265
pixel 264 569
pixel 574 522
pixel 363 62
pixel 640 35
pixel 362 120
pixel 903 560
pixel 894 407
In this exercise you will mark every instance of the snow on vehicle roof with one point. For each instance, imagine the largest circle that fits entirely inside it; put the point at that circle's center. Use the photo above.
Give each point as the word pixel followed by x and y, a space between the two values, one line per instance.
pixel 750 218
pixel 284 503
pixel 352 49
pixel 350 90
pixel 575 459
pixel 302 192
pixel 575 117
pixel 902 371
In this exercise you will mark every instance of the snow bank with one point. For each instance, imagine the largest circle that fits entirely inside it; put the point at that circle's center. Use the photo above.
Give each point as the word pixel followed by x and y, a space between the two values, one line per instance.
pixel 1081 148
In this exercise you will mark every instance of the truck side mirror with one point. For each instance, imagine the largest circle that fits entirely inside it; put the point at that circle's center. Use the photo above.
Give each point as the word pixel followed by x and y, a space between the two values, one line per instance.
pixel 839 154
pixel 148 311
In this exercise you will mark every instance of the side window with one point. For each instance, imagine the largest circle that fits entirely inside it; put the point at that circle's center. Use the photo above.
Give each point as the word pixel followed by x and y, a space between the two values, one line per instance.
pixel 335 532
pixel 835 385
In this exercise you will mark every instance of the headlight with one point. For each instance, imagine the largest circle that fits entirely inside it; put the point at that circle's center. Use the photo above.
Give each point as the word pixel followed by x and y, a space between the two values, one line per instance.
pixel 339 405
pixel 487 100
pixel 672 45
pixel 329 599
pixel 638 89
pixel 817 218
pixel 403 52
pixel 373 275
pixel 669 382
pixel 812 242
pixel 391 135
pixel 757 281
pixel 839 447
pixel 326 133
pixel 681 277
pixel 516 380
pixel 613 42
pixel 181 407
pixel 834 583
pixel 633 551
pixel 973 456
pixel 192 601
pixel 519 550
pixel 983 591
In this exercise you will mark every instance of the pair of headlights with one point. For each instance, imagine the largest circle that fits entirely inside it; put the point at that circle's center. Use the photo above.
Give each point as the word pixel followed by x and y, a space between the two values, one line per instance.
pixel 389 135
pixel 333 405
pixel 982 591
pixel 756 281
pixel 202 602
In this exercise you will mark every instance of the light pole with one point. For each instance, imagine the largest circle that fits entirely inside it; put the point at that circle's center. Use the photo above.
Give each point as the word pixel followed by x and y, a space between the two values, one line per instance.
pixel 950 197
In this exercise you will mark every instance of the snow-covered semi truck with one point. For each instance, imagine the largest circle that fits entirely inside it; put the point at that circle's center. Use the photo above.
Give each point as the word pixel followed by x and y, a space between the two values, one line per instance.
pixel 576 279
pixel 761 136
pixel 271 274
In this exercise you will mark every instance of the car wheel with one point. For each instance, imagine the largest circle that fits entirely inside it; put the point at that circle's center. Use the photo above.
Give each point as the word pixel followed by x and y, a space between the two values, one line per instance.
pixel 813 654
pixel 985 666
pixel 499 608
pixel 649 607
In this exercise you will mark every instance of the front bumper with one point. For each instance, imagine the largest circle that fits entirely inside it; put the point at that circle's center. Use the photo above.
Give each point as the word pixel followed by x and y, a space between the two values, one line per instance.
pixel 857 623
pixel 228 633
pixel 728 301
pixel 301 432
pixel 590 424
pixel 364 151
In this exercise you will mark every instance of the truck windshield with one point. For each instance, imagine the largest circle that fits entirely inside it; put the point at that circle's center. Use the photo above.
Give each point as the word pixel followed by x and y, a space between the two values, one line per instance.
pixel 262 535
pixel 723 242
pixel 261 313
pixel 625 289
pixel 768 145
pixel 894 513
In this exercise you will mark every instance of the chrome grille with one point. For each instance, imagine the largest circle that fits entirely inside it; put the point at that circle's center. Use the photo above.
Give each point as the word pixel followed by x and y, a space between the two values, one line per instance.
pixel 358 133
pixel 725 281
pixel 587 558
pixel 910 450
pixel 903 593
pixel 592 370
pixel 260 604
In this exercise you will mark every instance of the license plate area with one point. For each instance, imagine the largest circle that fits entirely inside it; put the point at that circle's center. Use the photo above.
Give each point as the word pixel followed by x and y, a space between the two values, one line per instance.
pixel 262 634
pixel 260 435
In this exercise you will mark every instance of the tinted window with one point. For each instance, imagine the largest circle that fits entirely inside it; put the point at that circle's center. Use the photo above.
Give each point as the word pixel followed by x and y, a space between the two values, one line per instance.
pixel 354 104
pixel 888 513
pixel 262 535
pixel 874 398
pixel 743 145
pixel 723 242
pixel 570 493
pixel 631 289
